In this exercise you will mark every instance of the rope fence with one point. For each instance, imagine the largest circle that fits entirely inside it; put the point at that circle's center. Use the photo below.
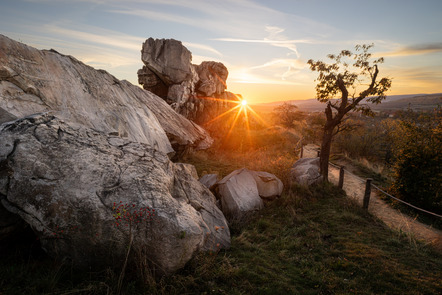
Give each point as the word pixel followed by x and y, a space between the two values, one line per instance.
pixel 369 184
pixel 385 193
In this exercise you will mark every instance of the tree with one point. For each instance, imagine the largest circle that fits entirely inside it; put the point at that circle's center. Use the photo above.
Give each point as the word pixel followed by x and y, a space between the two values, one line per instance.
pixel 347 71
pixel 418 160
pixel 286 114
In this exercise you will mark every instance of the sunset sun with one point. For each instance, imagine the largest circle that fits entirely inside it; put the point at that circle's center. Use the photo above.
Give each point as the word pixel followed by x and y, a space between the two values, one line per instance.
pixel 244 102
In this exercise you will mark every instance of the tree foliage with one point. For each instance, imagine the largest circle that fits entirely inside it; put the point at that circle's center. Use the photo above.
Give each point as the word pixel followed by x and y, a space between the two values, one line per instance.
pixel 356 72
pixel 287 115
pixel 418 159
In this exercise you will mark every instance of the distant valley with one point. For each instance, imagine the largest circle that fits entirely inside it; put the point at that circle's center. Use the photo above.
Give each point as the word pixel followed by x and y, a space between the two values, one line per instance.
pixel 391 103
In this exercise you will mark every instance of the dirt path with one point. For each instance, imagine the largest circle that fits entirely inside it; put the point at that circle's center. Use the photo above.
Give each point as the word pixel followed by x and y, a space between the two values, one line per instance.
pixel 354 186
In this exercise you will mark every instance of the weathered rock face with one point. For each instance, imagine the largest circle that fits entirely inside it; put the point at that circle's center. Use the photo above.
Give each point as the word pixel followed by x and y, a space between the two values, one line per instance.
pixel 212 78
pixel 209 180
pixel 239 194
pixel 64 181
pixel 269 186
pixel 33 81
pixel 189 89
pixel 168 59
pixel 306 171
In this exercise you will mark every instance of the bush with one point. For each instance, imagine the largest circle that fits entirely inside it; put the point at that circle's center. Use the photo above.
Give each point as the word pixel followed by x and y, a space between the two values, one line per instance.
pixel 418 165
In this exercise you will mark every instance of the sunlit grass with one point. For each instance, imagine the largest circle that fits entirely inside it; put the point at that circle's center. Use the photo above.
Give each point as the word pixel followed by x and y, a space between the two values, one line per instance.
pixel 309 241
pixel 313 241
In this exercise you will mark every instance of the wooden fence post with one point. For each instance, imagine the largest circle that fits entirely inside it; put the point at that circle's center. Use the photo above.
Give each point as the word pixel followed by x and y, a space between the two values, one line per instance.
pixel 341 177
pixel 367 193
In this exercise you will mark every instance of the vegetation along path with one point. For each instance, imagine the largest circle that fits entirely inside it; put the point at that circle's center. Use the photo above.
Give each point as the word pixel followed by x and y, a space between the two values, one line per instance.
pixel 354 187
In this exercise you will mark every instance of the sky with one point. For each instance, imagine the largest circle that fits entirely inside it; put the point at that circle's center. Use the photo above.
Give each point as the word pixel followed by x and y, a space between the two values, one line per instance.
pixel 264 44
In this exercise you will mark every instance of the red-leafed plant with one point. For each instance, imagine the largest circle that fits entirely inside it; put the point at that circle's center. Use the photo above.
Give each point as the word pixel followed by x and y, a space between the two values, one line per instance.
pixel 130 216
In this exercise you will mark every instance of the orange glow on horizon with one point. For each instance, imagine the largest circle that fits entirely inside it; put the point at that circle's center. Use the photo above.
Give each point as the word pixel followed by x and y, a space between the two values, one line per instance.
pixel 241 108
pixel 217 99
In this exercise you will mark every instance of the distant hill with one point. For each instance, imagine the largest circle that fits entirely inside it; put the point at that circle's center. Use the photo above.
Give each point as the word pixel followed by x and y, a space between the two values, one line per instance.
pixel 418 102
pixel 391 103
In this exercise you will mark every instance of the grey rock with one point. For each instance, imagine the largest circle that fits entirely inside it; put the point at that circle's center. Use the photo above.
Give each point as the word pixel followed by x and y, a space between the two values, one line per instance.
pixel 239 194
pixel 10 223
pixel 269 186
pixel 306 171
pixel 195 91
pixel 65 182
pixel 209 180
pixel 34 81
pixel 168 59
pixel 212 78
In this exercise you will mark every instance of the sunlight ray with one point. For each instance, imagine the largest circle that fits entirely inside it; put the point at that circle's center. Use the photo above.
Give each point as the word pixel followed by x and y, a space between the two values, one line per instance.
pixel 258 116
pixel 217 99
pixel 246 115
pixel 223 114
pixel 234 122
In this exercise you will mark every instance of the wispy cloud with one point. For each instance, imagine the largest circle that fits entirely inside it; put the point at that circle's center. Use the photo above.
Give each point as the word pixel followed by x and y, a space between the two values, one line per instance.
pixel 291 66
pixel 418 49
pixel 278 70
pixel 265 41
pixel 244 76
pixel 202 47
pixel 274 38
pixel 103 37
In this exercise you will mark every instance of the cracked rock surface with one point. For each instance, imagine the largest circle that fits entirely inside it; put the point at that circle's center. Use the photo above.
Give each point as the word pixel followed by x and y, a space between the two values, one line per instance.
pixel 63 180
pixel 34 81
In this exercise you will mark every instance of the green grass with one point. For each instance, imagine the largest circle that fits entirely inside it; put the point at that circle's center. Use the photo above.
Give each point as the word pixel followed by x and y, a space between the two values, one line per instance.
pixel 384 183
pixel 310 241
pixel 323 245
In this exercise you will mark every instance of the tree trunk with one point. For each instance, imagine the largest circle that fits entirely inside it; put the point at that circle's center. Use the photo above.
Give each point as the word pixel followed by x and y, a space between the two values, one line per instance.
pixel 325 151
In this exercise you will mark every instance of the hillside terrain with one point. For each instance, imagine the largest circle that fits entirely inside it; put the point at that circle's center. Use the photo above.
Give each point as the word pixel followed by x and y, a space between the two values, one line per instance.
pixel 100 192
pixel 391 103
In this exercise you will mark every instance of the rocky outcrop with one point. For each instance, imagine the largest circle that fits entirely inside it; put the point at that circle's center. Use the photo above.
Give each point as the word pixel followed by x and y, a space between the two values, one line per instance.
pixel 168 59
pixel 212 78
pixel 239 194
pixel 243 191
pixel 209 180
pixel 269 186
pixel 33 81
pixel 68 181
pixel 195 91
pixel 306 171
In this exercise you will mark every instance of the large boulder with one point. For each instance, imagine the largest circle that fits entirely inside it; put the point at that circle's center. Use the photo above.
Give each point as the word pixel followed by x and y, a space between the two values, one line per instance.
pixel 305 171
pixel 239 194
pixel 33 81
pixel 212 78
pixel 209 180
pixel 68 181
pixel 168 59
pixel 195 91
pixel 269 186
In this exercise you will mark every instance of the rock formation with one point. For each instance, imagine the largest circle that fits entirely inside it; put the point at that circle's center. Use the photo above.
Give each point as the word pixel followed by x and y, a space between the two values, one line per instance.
pixel 33 81
pixel 239 194
pixel 269 186
pixel 81 141
pixel 209 180
pixel 306 171
pixel 195 91
pixel 243 191
pixel 64 181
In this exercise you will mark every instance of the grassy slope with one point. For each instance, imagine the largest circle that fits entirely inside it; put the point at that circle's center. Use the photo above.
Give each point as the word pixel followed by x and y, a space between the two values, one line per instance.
pixel 313 241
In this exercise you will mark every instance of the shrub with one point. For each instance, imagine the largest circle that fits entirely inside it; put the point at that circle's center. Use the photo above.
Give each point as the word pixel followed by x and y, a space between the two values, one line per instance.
pixel 418 165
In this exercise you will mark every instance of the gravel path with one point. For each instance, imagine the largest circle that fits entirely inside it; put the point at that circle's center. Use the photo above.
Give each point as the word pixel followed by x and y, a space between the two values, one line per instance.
pixel 354 186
